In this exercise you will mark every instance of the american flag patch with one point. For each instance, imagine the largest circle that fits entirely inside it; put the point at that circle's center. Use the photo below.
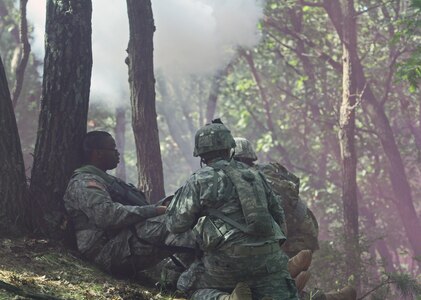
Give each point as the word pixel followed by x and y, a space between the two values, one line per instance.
pixel 95 184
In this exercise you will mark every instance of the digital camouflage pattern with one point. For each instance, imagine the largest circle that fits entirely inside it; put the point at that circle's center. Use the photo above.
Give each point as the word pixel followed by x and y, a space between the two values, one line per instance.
pixel 107 231
pixel 244 149
pixel 302 226
pixel 230 255
pixel 212 137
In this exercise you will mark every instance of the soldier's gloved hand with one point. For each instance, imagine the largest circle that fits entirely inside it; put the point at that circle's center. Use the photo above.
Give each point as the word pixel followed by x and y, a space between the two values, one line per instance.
pixel 160 210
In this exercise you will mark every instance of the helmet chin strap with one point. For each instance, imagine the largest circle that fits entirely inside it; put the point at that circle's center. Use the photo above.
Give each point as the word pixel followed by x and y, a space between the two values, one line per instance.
pixel 232 154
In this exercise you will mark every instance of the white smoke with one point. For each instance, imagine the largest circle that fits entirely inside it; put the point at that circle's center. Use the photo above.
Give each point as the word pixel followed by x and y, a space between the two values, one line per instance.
pixel 199 37
pixel 192 37
pixel 35 13
pixel 110 35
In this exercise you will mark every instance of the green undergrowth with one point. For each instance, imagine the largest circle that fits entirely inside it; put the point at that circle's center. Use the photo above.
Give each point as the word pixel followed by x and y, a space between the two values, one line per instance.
pixel 38 268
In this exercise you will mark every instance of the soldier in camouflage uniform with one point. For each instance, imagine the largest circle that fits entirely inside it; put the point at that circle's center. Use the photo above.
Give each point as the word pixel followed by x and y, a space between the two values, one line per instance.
pixel 302 225
pixel 120 236
pixel 237 221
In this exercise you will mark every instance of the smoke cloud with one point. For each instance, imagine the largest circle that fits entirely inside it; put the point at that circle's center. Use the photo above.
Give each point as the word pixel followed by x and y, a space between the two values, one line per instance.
pixel 193 37
pixel 202 36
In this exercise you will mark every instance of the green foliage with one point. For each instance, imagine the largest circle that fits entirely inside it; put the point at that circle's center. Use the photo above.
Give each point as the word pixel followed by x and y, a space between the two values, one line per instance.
pixel 410 69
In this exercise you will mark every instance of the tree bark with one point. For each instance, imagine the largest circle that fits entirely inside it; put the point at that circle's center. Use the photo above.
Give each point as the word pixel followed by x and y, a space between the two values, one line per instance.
pixel 26 49
pixel 347 140
pixel 120 133
pixel 142 89
pixel 13 187
pixel 215 90
pixel 64 108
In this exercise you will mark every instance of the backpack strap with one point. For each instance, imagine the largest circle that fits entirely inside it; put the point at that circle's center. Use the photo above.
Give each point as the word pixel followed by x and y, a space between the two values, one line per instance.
pixel 216 213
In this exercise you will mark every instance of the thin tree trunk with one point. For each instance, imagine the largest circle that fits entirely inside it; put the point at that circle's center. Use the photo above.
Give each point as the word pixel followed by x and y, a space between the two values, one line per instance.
pixel 174 125
pixel 120 133
pixel 142 88
pixel 13 187
pixel 26 49
pixel 347 141
pixel 215 89
pixel 64 108
pixel 213 97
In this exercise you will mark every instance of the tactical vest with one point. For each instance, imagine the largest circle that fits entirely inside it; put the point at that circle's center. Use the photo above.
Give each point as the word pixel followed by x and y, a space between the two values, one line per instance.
pixel 121 192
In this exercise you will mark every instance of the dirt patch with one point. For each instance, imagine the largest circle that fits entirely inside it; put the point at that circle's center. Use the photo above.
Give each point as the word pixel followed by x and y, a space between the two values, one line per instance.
pixel 46 268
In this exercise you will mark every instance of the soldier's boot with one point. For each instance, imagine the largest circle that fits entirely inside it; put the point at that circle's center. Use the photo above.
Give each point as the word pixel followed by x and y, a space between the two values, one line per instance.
pixel 241 292
pixel 299 262
pixel 347 293
pixel 301 280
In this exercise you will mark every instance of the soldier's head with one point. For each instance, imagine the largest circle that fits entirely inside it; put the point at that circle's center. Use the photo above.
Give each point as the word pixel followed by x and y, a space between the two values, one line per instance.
pixel 244 151
pixel 99 149
pixel 213 141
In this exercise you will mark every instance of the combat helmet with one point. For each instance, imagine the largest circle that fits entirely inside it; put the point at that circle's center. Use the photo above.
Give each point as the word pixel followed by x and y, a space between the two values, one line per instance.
pixel 244 149
pixel 212 137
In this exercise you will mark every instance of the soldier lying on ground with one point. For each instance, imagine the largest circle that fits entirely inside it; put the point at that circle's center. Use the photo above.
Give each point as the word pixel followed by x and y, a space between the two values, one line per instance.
pixel 302 226
pixel 114 224
pixel 237 221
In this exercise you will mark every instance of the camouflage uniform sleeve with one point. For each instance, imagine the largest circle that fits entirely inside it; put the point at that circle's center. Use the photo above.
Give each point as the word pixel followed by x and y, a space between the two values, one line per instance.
pixel 95 201
pixel 184 209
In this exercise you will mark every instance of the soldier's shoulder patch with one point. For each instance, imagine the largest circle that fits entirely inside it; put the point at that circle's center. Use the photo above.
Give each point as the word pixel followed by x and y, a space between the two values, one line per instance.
pixel 95 184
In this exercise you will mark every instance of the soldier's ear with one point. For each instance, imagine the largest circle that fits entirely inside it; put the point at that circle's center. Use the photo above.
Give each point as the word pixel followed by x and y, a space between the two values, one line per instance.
pixel 96 153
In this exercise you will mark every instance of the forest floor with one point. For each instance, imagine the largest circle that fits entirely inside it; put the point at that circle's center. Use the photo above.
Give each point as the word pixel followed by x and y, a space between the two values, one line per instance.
pixel 49 271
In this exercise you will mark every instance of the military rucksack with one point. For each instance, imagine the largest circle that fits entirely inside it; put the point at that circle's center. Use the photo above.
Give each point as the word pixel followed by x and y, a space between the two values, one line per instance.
pixel 287 186
pixel 253 198
pixel 302 225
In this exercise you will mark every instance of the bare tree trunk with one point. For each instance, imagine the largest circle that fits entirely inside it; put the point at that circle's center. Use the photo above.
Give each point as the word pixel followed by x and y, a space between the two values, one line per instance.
pixel 174 125
pixel 142 88
pixel 215 89
pixel 64 108
pixel 120 132
pixel 213 97
pixel 347 141
pixel 13 187
pixel 26 47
